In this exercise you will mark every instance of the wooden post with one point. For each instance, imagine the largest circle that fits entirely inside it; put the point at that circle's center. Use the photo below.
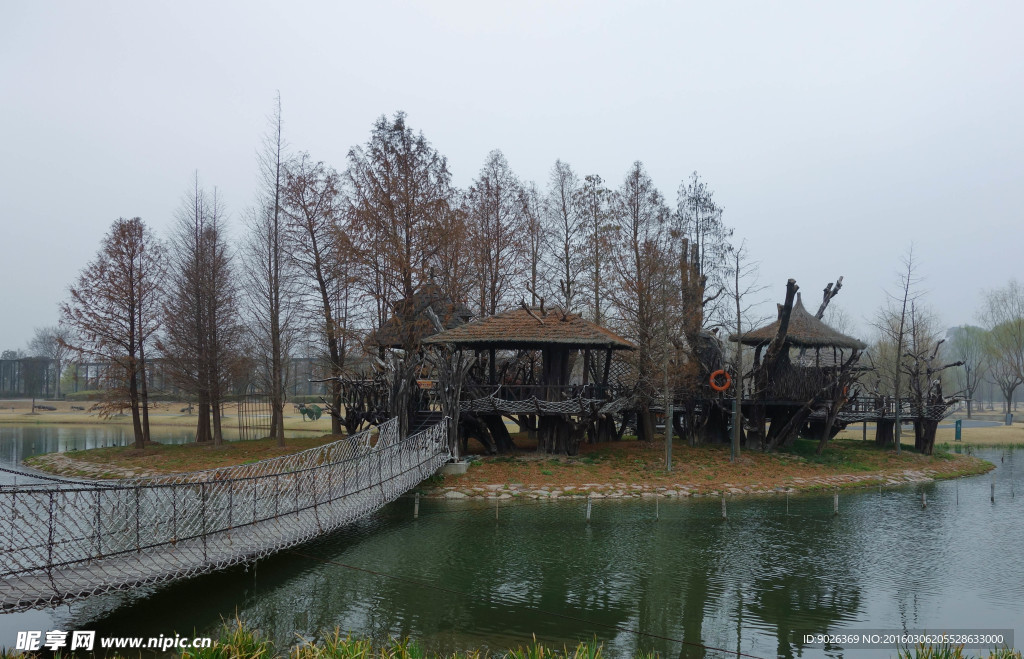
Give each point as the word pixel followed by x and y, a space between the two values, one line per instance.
pixel 835 503
pixel 924 500
pixel 993 496
pixel 588 508
pixel 496 500
pixel 416 507
pixel 724 513
pixel 657 514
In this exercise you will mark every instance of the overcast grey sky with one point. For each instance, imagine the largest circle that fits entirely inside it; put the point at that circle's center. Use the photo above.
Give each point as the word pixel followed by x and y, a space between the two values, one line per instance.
pixel 833 134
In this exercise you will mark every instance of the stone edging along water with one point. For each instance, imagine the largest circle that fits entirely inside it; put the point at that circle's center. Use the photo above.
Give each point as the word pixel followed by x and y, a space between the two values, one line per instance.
pixel 636 491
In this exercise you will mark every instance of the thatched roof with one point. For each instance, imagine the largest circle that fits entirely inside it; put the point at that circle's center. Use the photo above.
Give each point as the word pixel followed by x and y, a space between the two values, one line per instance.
pixel 522 329
pixel 805 331
pixel 410 324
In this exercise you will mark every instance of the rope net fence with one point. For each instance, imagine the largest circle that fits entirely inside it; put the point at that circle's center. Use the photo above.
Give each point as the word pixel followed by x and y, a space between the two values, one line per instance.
pixel 68 540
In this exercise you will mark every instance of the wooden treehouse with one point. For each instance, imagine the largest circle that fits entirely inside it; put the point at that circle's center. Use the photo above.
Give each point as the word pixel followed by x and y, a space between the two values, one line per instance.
pixel 802 377
pixel 527 368
pixel 398 383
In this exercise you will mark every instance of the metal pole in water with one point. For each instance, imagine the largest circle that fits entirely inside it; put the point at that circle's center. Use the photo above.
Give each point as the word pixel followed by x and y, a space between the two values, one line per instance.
pixel 724 514
pixel 588 507
pixel 993 496
pixel 835 503
pixel 657 513
pixel 924 500
pixel 496 500
pixel 958 490
pixel 787 502
pixel 416 507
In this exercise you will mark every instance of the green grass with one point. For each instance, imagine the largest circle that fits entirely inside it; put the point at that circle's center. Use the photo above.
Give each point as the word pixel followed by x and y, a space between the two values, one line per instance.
pixel 946 651
pixel 845 454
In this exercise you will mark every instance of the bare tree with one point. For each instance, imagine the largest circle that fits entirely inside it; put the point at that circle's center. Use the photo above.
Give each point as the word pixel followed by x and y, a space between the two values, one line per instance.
pixel 640 215
pixel 599 239
pixel 51 342
pixel 967 345
pixel 496 220
pixel 452 261
pixel 399 199
pixel 537 241
pixel 1002 372
pixel 322 255
pixel 113 312
pixel 202 332
pixel 891 323
pixel 744 285
pixel 1004 315
pixel 565 220
pixel 923 369
pixel 268 280
pixel 702 247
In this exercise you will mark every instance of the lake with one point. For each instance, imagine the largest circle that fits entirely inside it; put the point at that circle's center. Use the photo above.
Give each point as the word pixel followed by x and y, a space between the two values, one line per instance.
pixel 678 580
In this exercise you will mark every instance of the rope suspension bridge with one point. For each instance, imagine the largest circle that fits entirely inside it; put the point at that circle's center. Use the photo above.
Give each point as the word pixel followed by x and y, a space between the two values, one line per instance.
pixel 62 540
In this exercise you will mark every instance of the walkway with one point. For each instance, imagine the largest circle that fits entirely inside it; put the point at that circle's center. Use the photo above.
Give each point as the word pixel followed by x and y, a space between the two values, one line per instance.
pixel 61 541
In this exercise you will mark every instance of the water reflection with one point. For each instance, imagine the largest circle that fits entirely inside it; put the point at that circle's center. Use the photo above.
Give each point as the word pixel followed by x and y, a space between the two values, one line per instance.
pixel 457 578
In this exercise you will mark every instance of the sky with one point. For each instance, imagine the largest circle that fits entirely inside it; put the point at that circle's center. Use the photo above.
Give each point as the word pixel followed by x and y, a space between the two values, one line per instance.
pixel 835 135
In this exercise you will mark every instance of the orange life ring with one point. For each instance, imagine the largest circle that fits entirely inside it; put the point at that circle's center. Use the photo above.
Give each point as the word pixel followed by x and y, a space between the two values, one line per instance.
pixel 720 387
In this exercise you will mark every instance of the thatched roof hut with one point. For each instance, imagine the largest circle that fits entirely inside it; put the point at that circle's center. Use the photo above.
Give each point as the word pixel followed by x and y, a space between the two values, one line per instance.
pixel 410 324
pixel 805 331
pixel 531 329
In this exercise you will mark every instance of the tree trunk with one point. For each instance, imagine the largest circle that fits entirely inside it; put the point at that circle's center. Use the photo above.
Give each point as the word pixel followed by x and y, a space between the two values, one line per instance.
pixel 884 432
pixel 218 435
pixel 929 426
pixel 145 394
pixel 203 421
pixel 645 424
pixel 133 397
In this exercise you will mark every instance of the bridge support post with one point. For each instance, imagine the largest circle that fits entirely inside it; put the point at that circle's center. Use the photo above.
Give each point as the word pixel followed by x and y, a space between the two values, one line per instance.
pixel 416 507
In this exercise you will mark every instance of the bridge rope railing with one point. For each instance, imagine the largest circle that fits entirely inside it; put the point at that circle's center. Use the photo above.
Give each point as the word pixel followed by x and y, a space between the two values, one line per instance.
pixel 60 542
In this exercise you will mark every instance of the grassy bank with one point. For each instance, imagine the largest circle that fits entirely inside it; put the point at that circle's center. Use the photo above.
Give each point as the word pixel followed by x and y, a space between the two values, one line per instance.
pixel 629 463
pixel 122 461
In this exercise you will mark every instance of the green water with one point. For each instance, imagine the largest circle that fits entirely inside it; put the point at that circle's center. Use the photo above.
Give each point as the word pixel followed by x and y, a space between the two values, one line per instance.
pixel 756 582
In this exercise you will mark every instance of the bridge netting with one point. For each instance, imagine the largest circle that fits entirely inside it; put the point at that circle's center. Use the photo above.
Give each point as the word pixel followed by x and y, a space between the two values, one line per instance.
pixel 68 540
